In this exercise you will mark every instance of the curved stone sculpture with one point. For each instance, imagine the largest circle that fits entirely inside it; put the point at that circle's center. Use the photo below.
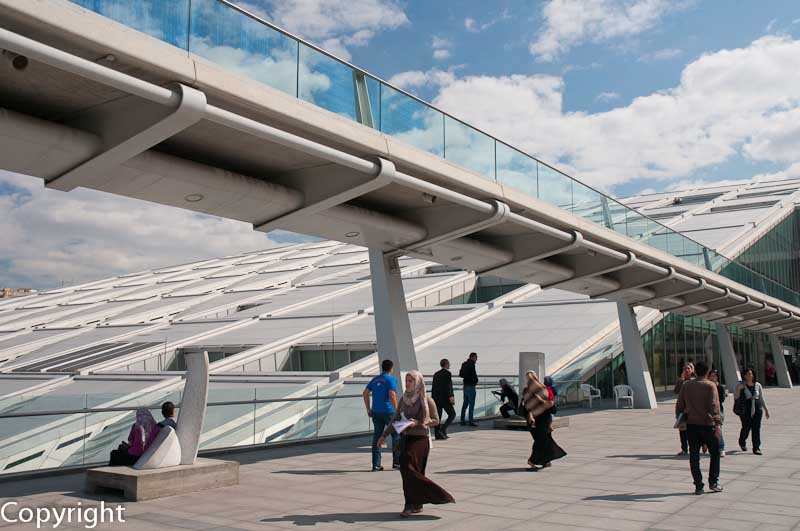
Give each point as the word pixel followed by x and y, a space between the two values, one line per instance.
pixel 193 406
pixel 165 451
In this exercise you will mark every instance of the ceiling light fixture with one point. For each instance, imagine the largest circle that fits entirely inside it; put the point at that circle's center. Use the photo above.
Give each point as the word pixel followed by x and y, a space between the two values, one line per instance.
pixel 456 258
pixel 194 198
pixel 351 234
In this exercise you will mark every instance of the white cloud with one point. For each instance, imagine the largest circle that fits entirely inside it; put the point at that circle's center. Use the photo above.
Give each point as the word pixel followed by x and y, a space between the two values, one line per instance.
pixel 49 236
pixel 605 97
pixel 568 23
pixel 474 26
pixel 664 54
pixel 441 47
pixel 333 24
pixel 417 78
pixel 792 172
pixel 742 101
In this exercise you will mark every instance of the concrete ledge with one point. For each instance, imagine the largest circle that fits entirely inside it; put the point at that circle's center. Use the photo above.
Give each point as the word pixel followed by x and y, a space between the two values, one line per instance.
pixel 137 485
pixel 518 423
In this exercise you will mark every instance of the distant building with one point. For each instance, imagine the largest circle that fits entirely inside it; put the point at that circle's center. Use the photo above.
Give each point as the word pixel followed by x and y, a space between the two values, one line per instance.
pixel 6 293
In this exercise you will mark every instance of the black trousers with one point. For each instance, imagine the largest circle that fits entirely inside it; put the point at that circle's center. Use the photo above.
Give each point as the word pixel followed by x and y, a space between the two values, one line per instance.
pixel 684 441
pixel 507 409
pixel 441 429
pixel 751 424
pixel 703 436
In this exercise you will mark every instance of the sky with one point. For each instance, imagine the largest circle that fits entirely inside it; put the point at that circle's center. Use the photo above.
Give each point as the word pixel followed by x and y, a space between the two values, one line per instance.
pixel 625 95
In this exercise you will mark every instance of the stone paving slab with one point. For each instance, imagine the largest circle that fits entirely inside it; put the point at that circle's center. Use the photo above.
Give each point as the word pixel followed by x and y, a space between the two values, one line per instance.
pixel 621 474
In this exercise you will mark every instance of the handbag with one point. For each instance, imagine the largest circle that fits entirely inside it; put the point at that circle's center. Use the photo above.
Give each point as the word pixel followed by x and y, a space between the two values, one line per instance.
pixel 680 422
pixel 738 405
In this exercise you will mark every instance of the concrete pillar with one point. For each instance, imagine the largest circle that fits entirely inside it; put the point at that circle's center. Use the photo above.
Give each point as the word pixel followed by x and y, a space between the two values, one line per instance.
pixel 392 328
pixel 531 361
pixel 727 356
pixel 644 396
pixel 782 371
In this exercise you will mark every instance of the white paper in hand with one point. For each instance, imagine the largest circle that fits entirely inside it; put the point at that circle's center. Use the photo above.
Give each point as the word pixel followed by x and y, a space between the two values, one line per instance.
pixel 401 425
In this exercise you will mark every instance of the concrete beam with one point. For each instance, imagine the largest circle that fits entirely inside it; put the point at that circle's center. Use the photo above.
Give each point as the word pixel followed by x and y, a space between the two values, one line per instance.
pixel 730 366
pixel 644 396
pixel 781 370
pixel 392 327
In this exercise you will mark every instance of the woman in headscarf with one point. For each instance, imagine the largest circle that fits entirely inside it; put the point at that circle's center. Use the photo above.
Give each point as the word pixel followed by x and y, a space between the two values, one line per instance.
pixel 538 402
pixel 141 436
pixel 416 407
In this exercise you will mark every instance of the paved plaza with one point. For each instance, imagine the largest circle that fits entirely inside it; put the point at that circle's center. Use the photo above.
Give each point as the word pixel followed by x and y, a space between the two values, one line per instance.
pixel 621 473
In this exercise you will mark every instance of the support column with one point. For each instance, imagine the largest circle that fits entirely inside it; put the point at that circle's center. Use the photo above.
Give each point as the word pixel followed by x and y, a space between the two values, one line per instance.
pixel 727 356
pixel 782 371
pixel 644 396
pixel 392 328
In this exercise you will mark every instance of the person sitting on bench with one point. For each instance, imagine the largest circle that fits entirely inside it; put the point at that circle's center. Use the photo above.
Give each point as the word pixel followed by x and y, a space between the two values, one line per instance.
pixel 507 393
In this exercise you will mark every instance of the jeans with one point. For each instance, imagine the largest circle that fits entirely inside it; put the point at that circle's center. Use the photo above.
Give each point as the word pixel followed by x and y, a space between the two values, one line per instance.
pixel 703 435
pixel 441 429
pixel 380 421
pixel 469 401
pixel 751 424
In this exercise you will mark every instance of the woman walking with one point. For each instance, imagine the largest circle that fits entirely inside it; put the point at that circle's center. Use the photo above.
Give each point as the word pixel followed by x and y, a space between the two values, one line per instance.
pixel 416 407
pixel 751 409
pixel 686 375
pixel 713 375
pixel 539 401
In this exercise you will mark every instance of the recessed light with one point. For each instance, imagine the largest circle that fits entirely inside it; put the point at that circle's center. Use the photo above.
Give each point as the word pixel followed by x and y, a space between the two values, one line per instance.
pixel 456 258
pixel 351 234
pixel 194 198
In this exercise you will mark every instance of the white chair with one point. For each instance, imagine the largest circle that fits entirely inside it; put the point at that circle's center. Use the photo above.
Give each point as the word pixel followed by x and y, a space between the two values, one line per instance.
pixel 589 393
pixel 623 392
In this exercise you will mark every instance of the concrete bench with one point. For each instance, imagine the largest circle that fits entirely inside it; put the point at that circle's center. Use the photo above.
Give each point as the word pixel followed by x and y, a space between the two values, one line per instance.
pixel 137 485
pixel 518 423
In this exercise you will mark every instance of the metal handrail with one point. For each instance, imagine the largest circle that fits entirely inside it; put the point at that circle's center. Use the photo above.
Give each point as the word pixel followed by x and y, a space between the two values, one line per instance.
pixel 86 411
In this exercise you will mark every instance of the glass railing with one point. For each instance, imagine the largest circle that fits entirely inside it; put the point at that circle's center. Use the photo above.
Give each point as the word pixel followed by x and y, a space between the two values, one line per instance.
pixel 69 431
pixel 242 43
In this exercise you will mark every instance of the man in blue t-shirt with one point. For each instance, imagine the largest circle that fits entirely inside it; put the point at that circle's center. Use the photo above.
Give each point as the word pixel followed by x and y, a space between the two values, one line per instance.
pixel 384 405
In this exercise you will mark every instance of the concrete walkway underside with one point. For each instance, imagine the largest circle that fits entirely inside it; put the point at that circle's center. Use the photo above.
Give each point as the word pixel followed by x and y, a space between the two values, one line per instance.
pixel 621 473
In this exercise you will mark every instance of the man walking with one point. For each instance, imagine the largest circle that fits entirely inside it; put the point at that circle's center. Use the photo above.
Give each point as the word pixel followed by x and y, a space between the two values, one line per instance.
pixel 384 405
pixel 470 379
pixel 442 394
pixel 699 401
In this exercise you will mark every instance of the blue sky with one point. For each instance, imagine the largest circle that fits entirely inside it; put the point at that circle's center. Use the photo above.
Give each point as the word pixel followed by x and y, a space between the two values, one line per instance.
pixel 625 95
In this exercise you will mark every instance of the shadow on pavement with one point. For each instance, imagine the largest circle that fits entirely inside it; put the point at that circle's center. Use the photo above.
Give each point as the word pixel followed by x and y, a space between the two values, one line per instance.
pixel 635 497
pixel 648 457
pixel 318 472
pixel 486 470
pixel 347 518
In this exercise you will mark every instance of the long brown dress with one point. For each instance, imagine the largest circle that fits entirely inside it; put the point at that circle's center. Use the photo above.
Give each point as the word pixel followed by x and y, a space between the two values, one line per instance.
pixel 414 450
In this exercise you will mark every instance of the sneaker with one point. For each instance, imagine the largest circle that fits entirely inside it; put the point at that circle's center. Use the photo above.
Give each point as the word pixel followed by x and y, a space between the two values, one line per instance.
pixel 396 466
pixel 682 452
pixel 743 447
pixel 757 451
pixel 698 490
pixel 377 469
pixel 722 453
pixel 715 487
pixel 546 465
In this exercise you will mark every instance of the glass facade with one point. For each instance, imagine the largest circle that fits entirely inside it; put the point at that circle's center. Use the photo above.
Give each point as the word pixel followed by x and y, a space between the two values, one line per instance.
pixel 677 339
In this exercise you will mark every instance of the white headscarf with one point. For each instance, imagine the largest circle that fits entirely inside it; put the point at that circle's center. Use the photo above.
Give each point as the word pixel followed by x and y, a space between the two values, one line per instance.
pixel 415 393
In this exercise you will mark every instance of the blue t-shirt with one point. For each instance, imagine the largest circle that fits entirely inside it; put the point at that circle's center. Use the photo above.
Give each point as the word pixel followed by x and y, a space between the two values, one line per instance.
pixel 380 387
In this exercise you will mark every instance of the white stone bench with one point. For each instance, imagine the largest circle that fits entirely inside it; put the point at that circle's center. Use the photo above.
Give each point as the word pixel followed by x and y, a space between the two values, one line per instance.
pixel 137 485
